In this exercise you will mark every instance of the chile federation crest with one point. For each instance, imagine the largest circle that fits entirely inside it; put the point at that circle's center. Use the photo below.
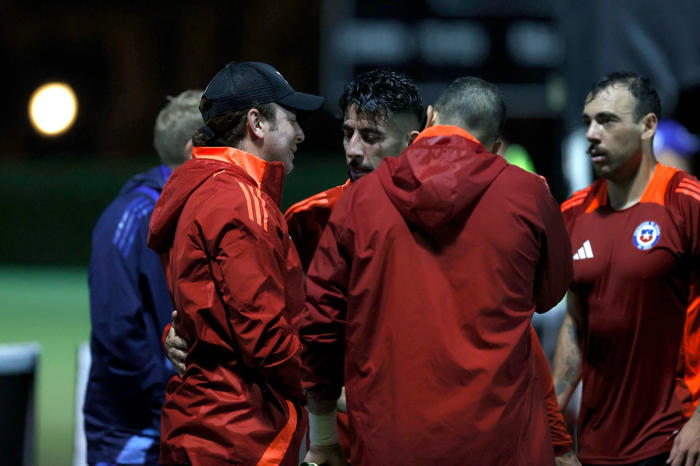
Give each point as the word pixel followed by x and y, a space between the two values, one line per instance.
pixel 646 235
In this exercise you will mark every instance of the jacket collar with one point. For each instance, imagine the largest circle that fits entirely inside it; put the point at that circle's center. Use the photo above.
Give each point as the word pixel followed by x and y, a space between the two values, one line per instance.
pixel 269 176
pixel 445 130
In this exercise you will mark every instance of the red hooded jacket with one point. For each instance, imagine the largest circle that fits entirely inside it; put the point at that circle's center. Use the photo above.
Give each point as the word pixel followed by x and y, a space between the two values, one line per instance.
pixel 306 221
pixel 237 283
pixel 428 274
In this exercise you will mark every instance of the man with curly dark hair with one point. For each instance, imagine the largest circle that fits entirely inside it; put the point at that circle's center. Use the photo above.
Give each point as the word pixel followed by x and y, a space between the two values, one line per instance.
pixel 380 109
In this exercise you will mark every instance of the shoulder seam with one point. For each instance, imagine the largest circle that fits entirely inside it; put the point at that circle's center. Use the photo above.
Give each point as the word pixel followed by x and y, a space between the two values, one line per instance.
pixel 321 198
pixel 576 199
pixel 316 199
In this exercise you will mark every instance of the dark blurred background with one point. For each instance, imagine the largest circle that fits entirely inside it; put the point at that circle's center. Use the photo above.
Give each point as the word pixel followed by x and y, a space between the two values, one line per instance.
pixel 123 58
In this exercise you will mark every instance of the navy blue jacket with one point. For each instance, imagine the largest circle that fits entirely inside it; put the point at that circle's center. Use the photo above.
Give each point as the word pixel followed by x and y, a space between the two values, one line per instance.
pixel 129 307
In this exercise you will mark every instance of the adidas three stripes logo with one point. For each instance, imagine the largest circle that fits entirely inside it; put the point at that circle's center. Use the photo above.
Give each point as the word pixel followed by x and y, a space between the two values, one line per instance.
pixel 584 252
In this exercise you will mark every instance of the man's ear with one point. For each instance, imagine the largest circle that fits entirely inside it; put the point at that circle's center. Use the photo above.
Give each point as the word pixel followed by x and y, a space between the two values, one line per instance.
pixel 649 123
pixel 432 118
pixel 187 150
pixel 412 137
pixel 255 124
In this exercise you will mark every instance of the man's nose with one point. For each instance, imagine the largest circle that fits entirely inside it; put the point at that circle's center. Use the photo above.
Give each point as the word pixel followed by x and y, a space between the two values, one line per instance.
pixel 299 134
pixel 354 147
pixel 593 131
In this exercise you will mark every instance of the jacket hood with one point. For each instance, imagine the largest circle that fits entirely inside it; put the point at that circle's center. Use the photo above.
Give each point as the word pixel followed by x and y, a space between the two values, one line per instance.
pixel 188 177
pixel 153 178
pixel 440 177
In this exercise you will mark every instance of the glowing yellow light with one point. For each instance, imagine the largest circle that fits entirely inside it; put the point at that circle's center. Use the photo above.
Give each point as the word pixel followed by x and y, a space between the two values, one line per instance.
pixel 52 108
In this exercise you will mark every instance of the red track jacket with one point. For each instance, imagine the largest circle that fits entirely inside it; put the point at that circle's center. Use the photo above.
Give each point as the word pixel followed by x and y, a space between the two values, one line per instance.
pixel 237 283
pixel 428 274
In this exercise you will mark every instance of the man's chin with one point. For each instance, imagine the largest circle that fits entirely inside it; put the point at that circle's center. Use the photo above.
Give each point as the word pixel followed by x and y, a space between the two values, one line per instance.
pixel 602 170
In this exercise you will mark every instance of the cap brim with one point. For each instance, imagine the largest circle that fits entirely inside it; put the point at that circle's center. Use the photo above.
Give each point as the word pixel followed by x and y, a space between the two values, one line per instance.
pixel 302 101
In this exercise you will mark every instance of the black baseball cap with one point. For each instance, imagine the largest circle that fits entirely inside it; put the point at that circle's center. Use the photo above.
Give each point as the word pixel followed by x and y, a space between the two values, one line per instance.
pixel 241 84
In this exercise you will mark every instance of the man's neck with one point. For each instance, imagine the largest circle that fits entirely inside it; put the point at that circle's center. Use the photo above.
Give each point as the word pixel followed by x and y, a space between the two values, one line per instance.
pixel 626 192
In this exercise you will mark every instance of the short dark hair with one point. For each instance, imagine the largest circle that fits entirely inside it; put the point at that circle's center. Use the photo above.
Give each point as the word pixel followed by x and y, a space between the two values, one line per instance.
pixel 382 93
pixel 476 105
pixel 229 129
pixel 646 97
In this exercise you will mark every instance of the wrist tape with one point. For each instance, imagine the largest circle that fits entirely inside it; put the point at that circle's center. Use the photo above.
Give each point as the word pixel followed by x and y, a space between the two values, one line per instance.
pixel 322 429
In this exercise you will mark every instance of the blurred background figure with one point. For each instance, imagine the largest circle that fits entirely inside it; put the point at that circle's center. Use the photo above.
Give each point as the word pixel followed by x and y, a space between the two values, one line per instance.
pixel 130 305
pixel 517 155
pixel 675 146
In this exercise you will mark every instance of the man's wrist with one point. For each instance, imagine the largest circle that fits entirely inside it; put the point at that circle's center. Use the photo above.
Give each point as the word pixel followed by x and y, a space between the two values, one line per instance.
pixel 322 429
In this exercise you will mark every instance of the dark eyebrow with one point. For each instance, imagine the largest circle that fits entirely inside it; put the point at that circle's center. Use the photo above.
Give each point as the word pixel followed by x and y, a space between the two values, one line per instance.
pixel 607 114
pixel 364 129
pixel 370 131
pixel 586 117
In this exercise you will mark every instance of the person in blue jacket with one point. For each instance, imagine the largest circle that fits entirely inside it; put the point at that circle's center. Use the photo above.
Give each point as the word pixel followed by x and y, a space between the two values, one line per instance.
pixel 130 305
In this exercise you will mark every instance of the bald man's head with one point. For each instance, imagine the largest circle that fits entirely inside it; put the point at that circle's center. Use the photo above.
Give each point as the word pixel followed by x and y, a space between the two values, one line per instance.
pixel 475 105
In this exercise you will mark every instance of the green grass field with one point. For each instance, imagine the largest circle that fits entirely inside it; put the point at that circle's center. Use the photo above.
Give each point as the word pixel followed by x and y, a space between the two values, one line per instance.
pixel 49 306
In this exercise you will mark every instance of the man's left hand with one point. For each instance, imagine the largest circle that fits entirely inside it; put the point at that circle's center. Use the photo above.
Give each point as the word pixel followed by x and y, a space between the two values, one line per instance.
pixel 176 348
pixel 686 446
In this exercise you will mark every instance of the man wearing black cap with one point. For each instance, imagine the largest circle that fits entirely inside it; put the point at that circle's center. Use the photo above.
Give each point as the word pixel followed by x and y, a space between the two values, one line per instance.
pixel 235 277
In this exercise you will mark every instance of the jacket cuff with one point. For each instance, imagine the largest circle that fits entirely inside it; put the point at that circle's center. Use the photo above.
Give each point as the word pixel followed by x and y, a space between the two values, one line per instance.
pixel 563 447
pixel 165 333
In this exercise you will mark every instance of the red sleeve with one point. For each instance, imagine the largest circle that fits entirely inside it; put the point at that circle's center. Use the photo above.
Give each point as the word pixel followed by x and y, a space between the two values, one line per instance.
pixel 555 269
pixel 305 228
pixel 307 219
pixel 323 323
pixel 685 194
pixel 165 333
pixel 561 440
pixel 250 270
